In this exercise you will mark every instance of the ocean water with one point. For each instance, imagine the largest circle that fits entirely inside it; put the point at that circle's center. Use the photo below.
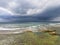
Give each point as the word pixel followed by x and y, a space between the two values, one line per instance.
pixel 16 26
pixel 33 26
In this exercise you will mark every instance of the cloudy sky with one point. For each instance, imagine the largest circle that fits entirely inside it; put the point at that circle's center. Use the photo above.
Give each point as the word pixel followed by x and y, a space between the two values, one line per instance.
pixel 29 10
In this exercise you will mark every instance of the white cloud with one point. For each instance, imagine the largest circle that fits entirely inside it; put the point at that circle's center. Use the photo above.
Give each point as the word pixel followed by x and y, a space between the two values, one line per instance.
pixel 12 4
pixel 32 11
pixel 41 5
pixel 38 5
pixel 4 11
pixel 56 19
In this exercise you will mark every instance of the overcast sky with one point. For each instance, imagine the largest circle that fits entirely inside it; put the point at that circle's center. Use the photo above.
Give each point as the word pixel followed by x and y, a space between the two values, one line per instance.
pixel 40 9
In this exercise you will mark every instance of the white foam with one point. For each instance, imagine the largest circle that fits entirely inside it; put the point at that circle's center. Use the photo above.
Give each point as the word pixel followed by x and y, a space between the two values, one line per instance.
pixel 33 28
pixel 1 28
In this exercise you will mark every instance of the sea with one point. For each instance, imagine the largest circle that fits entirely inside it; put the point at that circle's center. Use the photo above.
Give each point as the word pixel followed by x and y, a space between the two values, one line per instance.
pixel 33 26
pixel 15 26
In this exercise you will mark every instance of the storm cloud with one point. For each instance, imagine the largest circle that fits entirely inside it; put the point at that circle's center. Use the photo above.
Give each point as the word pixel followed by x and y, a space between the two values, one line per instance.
pixel 29 10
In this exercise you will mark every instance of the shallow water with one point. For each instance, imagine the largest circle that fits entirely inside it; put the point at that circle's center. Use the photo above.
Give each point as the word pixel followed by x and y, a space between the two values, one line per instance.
pixel 33 26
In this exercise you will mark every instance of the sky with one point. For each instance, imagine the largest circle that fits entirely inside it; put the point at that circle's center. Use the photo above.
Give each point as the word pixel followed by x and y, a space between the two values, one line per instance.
pixel 29 10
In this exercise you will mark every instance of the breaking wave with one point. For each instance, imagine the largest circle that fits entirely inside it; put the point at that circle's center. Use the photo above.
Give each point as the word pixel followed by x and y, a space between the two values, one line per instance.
pixel 23 27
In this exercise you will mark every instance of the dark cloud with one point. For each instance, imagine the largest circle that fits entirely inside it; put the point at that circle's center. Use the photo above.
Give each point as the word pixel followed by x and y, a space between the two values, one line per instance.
pixel 47 15
pixel 46 11
pixel 50 13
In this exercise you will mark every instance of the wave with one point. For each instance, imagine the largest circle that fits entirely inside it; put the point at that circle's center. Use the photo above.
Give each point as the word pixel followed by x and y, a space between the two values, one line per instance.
pixel 17 28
